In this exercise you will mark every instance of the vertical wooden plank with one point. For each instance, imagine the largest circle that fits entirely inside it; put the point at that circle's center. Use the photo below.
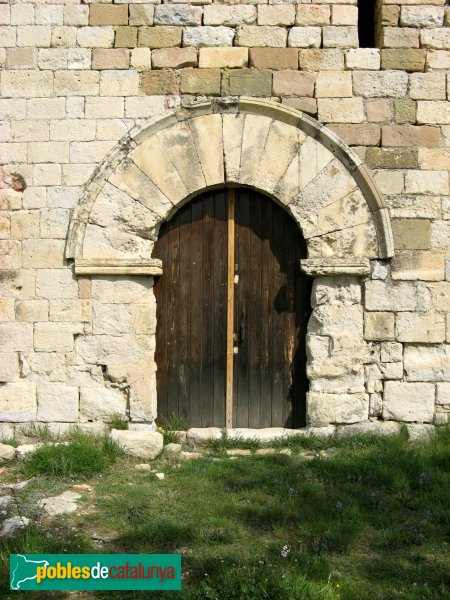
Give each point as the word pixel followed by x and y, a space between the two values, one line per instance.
pixel 255 324
pixel 207 325
pixel 230 308
pixel 267 306
pixel 183 311
pixel 196 320
pixel 220 298
pixel 173 277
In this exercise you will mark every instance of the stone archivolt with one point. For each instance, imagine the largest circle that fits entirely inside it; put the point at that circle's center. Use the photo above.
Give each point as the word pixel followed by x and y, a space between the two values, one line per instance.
pixel 255 143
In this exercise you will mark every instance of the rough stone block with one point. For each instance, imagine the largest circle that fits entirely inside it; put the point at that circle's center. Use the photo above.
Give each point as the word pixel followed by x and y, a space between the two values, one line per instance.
pixel 259 36
pixel 274 58
pixel 426 328
pixel 110 58
pixel 380 84
pixel 223 57
pixel 410 135
pixel 247 82
pixel 95 37
pixel 293 83
pixel 418 264
pixel 411 234
pixel 278 14
pixel 18 402
pixel 177 14
pixel 57 402
pixel 322 60
pixel 200 81
pixel 55 337
pixel 404 59
pixel 312 14
pixel 379 326
pixel 27 84
pixel 174 58
pixel 305 37
pixel 108 14
pixel 385 296
pixel 443 394
pixel 363 59
pixel 9 367
pixel 422 16
pixel 119 83
pixel 408 401
pixel 435 38
pixel 341 110
pixel 56 283
pixel 427 86
pixel 141 14
pixel 334 84
pixel 427 182
pixel 243 14
pixel 438 60
pixel 145 444
pixel 396 37
pixel 21 58
pixel 427 363
pixel 161 82
pixel 433 112
pixel 323 409
pixel 110 290
pixel 340 37
pixel 140 59
pixel 364 134
pixel 160 37
pixel 16 337
pixel 126 37
pixel 344 15
pixel 391 352
pixel 77 83
pixel 32 311
pixel 100 403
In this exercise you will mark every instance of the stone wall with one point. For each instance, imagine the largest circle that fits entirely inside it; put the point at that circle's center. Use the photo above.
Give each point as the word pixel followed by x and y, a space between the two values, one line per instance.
pixel 78 77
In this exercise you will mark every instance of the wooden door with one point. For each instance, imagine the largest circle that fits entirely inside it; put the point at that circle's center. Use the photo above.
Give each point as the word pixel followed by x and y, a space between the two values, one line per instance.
pixel 231 257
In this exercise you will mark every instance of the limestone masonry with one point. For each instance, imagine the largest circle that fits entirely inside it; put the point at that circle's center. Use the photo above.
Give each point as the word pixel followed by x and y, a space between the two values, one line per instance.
pixel 112 114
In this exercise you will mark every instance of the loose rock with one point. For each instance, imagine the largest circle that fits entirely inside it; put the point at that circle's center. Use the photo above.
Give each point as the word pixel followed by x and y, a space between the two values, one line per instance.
pixel 60 505
pixel 7 452
pixel 10 526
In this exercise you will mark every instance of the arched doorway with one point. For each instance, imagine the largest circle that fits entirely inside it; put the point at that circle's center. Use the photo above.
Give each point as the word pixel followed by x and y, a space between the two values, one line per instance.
pixel 232 311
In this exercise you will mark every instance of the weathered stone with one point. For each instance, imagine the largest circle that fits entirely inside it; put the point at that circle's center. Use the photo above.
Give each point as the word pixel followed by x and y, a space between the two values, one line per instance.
pixel 360 134
pixel 327 59
pixel 223 57
pixel 64 503
pixel 145 444
pixel 385 296
pixel 399 37
pixel 363 59
pixel 323 409
pixel 100 403
pixel 55 337
pixel 126 37
pixel 202 434
pixel 408 401
pixel 258 36
pixel 12 525
pixel 404 59
pixel 418 327
pixel 312 14
pixel 340 37
pixel 200 81
pixel 371 428
pixel 177 14
pixel 114 58
pixel 370 84
pixel 422 16
pixel 419 264
pixel 160 37
pixel 305 37
pixel 161 82
pixel 201 37
pixel 141 14
pixel 409 135
pixel 143 467
pixel 57 402
pixel 427 86
pixel 173 448
pixel 18 402
pixel 230 15
pixel 443 394
pixel 427 363
pixel 411 234
pixel 341 110
pixel 7 452
pixel 274 58
pixel 293 83
pixel 334 84
pixel 379 326
pixel 395 158
pixel 108 14
pixel 247 82
pixel 174 58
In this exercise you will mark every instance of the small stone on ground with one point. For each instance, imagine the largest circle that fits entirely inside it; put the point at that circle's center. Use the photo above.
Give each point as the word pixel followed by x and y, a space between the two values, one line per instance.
pixel 60 505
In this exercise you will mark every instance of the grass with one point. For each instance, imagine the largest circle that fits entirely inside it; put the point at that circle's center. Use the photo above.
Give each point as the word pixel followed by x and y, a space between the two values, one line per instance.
pixel 117 421
pixel 372 522
pixel 84 456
